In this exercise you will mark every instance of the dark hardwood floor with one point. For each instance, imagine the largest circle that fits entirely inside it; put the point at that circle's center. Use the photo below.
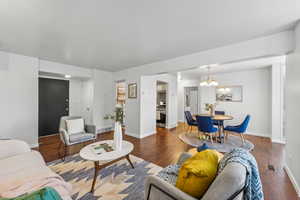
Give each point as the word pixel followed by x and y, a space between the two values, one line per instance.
pixel 164 148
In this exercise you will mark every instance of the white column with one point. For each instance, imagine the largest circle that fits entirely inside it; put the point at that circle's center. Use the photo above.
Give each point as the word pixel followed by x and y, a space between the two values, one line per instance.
pixel 278 75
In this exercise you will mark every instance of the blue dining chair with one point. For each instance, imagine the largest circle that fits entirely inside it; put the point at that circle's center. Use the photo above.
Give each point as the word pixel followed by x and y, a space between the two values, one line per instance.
pixel 241 129
pixel 215 122
pixel 205 125
pixel 190 121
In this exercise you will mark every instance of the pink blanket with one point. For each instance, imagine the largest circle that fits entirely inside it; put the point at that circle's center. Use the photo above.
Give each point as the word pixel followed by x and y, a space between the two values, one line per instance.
pixel 54 181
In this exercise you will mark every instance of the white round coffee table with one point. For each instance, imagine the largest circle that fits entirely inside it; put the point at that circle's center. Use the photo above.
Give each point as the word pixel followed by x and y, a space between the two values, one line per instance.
pixel 107 158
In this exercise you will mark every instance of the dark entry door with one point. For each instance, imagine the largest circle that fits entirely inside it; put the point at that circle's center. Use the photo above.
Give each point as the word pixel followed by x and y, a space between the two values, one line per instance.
pixel 53 103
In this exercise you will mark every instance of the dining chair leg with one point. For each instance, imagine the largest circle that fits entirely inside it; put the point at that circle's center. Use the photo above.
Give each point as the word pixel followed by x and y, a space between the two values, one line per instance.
pixel 242 138
pixel 186 127
pixel 226 135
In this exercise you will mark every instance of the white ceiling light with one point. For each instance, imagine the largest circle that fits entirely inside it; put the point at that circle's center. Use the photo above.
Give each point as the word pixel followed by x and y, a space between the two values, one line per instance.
pixel 68 76
pixel 209 82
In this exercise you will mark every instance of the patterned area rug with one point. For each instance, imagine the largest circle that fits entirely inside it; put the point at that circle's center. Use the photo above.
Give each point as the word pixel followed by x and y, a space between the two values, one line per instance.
pixel 232 142
pixel 115 182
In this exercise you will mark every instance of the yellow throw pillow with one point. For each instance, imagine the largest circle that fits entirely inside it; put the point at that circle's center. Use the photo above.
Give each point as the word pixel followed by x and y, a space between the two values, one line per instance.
pixel 198 172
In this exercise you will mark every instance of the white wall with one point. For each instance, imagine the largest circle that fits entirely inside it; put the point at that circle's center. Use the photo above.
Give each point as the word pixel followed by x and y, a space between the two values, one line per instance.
pixel 103 98
pixel 147 106
pixel 19 98
pixel 278 77
pixel 292 113
pixel 256 99
pixel 81 99
pixel 59 68
pixel 87 100
pixel 75 97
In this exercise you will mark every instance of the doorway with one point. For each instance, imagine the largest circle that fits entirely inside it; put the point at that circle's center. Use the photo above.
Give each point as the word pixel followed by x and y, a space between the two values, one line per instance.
pixel 161 104
pixel 191 100
pixel 53 104
pixel 121 96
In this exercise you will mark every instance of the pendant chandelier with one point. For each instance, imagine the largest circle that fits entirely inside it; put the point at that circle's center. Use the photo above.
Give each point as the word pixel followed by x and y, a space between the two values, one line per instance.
pixel 209 82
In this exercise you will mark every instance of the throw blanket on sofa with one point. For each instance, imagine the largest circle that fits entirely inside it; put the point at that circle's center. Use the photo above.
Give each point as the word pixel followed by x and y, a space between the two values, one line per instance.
pixel 253 187
pixel 169 174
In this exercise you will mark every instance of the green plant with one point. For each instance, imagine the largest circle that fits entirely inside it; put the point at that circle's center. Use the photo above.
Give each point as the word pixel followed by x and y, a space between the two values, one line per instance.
pixel 117 115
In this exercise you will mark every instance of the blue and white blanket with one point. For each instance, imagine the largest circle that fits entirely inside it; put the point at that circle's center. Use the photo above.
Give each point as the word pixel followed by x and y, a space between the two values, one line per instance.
pixel 253 188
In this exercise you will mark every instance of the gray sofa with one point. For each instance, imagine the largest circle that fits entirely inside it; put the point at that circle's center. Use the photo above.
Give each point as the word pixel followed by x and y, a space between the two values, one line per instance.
pixel 228 185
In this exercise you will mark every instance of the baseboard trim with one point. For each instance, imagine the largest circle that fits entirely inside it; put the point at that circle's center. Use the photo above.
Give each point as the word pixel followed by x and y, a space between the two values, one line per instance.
pixel 34 145
pixel 140 136
pixel 131 134
pixel 292 178
pixel 172 126
pixel 148 134
pixel 104 129
pixel 258 134
pixel 278 141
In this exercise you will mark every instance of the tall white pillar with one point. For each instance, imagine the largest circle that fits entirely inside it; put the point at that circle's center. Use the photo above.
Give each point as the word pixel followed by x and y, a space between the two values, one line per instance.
pixel 278 76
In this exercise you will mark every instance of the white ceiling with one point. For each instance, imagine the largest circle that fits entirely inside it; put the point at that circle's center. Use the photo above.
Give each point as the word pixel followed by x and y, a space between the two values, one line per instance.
pixel 114 35
pixel 196 73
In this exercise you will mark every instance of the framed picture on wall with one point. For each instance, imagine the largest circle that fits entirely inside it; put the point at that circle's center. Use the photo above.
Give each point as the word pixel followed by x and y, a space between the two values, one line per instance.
pixel 229 93
pixel 132 91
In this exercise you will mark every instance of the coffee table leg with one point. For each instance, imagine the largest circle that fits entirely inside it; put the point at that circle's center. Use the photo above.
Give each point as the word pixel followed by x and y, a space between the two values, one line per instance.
pixel 97 168
pixel 127 157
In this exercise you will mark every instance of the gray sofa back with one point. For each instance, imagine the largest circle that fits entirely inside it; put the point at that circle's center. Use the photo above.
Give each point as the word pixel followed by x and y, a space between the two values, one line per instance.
pixel 228 183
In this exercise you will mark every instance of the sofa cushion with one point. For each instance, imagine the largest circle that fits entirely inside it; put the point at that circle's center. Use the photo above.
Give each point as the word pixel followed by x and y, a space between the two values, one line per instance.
pixel 10 148
pixel 21 167
pixel 27 172
pixel 198 172
pixel 75 126
pixel 80 137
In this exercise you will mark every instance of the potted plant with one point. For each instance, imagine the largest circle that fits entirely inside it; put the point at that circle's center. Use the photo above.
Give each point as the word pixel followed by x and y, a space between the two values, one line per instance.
pixel 117 116
pixel 210 108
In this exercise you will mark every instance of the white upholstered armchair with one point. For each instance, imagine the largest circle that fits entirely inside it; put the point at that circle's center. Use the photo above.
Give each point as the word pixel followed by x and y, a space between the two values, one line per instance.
pixel 72 130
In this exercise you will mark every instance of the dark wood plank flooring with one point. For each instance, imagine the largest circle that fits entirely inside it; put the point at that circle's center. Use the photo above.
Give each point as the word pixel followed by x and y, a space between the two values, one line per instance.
pixel 164 148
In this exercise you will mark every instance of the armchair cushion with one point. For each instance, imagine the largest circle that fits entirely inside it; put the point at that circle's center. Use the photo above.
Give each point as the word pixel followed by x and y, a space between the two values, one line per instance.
pixel 81 137
pixel 75 126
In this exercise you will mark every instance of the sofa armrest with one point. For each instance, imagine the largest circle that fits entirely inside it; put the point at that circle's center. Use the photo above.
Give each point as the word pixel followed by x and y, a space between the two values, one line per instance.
pixel 10 148
pixel 158 189
pixel 91 129
pixel 183 157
